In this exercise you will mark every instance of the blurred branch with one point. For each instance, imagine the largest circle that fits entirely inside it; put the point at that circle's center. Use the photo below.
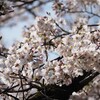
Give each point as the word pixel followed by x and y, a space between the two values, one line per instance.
pixel 23 5
pixel 91 25
pixel 75 11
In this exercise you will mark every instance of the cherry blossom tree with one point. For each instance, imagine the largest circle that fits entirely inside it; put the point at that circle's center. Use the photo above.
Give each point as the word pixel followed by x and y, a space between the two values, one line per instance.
pixel 28 73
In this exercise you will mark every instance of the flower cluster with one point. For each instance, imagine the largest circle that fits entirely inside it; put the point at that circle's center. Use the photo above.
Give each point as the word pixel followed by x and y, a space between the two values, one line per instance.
pixel 27 61
pixel 82 50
